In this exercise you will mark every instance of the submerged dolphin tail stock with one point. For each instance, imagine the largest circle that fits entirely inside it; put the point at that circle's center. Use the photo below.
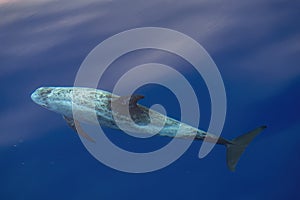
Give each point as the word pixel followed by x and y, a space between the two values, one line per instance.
pixel 237 146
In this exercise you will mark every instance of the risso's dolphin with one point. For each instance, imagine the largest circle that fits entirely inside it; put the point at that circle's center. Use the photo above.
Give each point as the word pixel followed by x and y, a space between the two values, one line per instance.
pixel 90 100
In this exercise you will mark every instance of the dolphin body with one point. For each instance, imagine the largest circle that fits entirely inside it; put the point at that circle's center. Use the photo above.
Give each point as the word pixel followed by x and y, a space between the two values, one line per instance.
pixel 87 101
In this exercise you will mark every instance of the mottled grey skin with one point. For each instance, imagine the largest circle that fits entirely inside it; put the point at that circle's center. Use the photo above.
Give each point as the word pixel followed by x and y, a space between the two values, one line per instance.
pixel 87 101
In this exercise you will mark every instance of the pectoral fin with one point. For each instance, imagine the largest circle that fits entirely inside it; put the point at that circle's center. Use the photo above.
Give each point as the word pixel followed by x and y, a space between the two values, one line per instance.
pixel 71 122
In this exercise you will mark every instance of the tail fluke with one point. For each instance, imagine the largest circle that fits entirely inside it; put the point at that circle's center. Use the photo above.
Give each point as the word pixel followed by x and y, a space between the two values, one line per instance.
pixel 237 146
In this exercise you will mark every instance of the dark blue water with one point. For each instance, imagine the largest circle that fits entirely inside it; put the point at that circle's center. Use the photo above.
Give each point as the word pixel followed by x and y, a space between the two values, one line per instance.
pixel 255 46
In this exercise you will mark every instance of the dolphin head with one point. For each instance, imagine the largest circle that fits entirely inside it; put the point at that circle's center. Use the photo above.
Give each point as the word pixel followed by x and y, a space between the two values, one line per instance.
pixel 41 96
pixel 70 100
pixel 56 99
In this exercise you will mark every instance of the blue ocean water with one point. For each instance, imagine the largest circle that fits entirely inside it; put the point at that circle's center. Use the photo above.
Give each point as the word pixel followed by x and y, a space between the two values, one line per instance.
pixel 255 46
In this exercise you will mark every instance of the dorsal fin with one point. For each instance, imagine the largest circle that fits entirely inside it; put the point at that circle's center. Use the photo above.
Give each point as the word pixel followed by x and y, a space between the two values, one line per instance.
pixel 139 115
pixel 131 100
